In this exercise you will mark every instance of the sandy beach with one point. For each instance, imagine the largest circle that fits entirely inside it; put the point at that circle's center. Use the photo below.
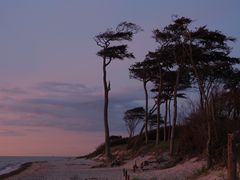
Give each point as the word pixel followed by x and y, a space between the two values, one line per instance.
pixel 82 169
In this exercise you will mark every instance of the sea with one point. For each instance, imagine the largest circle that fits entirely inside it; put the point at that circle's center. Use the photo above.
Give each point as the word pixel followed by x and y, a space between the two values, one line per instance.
pixel 12 163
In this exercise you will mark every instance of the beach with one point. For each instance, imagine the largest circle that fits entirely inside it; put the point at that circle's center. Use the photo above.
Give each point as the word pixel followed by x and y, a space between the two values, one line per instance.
pixel 86 169
pixel 67 169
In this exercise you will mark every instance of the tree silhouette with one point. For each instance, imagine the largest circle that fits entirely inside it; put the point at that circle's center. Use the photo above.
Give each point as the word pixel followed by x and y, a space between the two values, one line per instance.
pixel 143 72
pixel 132 118
pixel 172 36
pixel 109 51
pixel 162 62
pixel 185 57
pixel 210 62
pixel 205 55
pixel 166 95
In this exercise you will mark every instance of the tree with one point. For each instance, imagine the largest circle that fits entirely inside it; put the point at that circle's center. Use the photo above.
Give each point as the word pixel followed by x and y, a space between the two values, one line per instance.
pixel 231 96
pixel 162 62
pixel 205 55
pixel 172 36
pixel 143 72
pixel 132 118
pixel 123 32
pixel 210 61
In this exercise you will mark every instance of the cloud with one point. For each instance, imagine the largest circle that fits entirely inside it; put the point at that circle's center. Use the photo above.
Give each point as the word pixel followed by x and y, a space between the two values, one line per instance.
pixel 67 106
pixel 14 90
pixel 60 87
pixel 6 132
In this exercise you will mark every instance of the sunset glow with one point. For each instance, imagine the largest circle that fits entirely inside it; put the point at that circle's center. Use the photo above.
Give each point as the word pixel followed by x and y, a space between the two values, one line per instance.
pixel 51 94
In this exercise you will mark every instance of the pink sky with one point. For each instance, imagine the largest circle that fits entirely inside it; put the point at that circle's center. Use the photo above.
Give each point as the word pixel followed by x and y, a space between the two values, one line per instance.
pixel 51 79
pixel 45 141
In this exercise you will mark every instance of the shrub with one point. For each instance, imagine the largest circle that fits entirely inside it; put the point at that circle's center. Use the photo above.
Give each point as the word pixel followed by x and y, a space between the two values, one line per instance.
pixel 225 118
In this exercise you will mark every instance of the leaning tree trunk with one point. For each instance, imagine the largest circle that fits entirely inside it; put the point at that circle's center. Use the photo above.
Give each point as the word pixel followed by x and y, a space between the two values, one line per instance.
pixel 158 107
pixel 146 111
pixel 106 128
pixel 174 112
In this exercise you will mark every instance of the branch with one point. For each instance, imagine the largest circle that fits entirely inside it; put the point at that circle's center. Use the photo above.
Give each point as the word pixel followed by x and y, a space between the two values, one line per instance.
pixel 99 42
pixel 153 109
pixel 102 42
pixel 109 61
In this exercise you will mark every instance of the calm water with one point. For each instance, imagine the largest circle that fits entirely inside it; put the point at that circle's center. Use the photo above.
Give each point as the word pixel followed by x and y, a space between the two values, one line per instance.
pixel 11 163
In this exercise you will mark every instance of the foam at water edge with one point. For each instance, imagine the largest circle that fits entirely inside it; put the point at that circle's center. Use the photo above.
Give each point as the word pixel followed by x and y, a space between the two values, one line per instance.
pixel 9 168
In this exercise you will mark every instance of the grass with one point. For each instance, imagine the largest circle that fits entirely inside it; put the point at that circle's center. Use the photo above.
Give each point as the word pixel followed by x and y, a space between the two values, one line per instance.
pixel 200 172
pixel 132 147
pixel 136 178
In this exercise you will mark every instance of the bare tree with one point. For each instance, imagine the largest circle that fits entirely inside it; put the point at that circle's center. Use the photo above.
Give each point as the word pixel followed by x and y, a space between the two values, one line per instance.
pixel 132 118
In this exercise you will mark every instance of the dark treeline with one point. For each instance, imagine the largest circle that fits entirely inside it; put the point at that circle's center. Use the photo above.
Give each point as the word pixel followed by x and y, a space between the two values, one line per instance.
pixel 185 58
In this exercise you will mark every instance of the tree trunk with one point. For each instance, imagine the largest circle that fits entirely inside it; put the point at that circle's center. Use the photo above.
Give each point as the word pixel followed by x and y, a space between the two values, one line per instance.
pixel 158 122
pixel 209 142
pixel 142 129
pixel 106 128
pixel 174 112
pixel 232 160
pixel 146 111
pixel 169 118
pixel 205 105
pixel 130 134
pixel 165 120
pixel 201 100
pixel 158 107
pixel 207 113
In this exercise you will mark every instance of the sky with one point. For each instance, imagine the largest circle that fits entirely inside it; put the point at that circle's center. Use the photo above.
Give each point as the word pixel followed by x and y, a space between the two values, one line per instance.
pixel 51 94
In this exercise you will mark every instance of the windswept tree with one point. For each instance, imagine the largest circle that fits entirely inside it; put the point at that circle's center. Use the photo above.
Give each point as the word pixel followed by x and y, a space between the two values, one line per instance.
pixel 162 61
pixel 167 89
pixel 204 54
pixel 143 72
pixel 132 118
pixel 111 50
pixel 210 61
pixel 172 36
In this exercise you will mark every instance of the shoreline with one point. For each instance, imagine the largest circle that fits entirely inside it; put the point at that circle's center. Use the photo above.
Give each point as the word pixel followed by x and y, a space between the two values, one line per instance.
pixel 88 169
pixel 77 169
pixel 17 171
